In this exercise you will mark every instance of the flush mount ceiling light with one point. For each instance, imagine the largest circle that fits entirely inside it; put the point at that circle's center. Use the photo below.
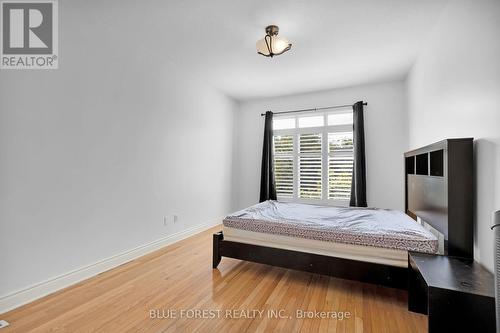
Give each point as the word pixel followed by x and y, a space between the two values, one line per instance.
pixel 271 44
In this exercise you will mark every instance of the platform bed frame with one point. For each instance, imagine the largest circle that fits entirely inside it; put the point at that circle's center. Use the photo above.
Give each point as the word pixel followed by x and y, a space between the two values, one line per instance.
pixel 390 276
pixel 455 168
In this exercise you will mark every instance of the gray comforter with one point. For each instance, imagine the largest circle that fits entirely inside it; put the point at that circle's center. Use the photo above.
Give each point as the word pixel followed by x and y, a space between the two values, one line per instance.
pixel 359 226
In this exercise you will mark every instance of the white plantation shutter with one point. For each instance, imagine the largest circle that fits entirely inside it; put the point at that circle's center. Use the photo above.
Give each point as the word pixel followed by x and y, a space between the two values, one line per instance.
pixel 339 177
pixel 313 157
pixel 340 164
pixel 283 165
pixel 310 166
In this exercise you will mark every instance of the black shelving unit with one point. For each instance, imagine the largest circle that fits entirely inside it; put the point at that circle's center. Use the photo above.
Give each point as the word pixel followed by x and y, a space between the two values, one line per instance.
pixel 439 190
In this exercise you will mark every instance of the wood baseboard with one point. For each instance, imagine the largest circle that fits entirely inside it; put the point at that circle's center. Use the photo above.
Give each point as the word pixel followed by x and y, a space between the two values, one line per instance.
pixel 39 290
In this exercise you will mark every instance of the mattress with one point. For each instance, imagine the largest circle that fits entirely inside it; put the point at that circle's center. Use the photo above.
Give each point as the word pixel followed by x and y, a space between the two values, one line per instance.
pixel 378 255
pixel 374 227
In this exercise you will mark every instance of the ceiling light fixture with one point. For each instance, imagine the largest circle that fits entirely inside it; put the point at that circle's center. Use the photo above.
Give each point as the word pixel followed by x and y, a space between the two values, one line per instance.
pixel 271 44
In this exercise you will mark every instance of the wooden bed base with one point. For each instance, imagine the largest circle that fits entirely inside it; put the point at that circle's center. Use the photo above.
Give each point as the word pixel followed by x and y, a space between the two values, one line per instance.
pixel 389 276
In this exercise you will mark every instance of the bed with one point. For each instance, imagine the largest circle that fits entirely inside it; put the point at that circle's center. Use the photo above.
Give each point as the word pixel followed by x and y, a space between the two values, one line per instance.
pixel 366 244
pixel 369 234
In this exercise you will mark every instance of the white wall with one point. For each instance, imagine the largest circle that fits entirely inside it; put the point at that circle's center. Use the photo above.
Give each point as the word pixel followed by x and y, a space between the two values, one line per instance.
pixel 94 154
pixel 385 132
pixel 454 91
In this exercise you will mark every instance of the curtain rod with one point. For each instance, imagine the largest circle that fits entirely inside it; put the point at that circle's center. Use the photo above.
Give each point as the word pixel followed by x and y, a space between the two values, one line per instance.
pixel 315 109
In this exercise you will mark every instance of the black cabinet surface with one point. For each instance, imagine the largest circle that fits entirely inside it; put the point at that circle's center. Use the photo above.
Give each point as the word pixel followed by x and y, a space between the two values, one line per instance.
pixel 457 294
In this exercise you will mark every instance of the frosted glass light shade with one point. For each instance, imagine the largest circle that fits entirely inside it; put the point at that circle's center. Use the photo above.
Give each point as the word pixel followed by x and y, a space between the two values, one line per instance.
pixel 272 45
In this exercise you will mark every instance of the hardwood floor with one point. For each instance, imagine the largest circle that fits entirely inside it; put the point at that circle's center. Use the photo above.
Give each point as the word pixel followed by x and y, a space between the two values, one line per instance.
pixel 179 277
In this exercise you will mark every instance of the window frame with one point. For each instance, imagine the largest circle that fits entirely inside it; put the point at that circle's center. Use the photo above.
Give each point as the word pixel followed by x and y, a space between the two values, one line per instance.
pixel 325 154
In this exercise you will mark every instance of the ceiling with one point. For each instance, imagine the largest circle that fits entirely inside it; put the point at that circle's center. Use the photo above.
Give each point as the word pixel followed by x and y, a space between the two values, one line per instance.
pixel 335 43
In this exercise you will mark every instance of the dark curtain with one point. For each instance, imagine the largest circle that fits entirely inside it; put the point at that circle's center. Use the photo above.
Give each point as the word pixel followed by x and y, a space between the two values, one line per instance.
pixel 267 185
pixel 358 185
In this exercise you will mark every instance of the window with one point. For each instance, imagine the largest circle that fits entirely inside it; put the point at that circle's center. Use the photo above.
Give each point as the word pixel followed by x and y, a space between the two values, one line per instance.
pixel 311 121
pixel 283 165
pixel 310 166
pixel 313 157
pixel 340 161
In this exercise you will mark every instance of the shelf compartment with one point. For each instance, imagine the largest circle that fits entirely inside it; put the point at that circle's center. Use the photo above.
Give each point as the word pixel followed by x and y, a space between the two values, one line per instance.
pixel 410 165
pixel 422 164
pixel 437 163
